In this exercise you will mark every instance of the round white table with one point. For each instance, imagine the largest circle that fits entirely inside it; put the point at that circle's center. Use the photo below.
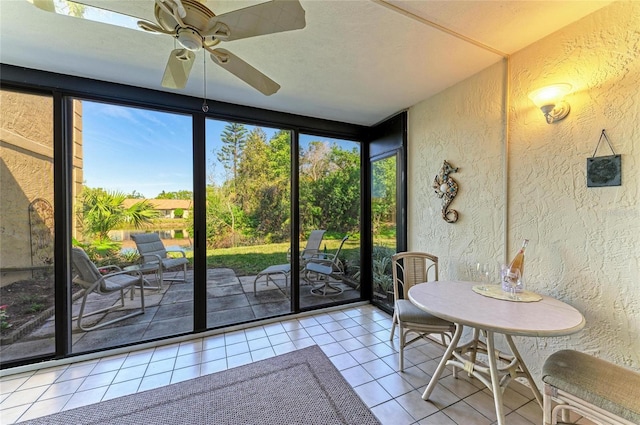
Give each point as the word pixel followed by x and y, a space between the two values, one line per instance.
pixel 457 302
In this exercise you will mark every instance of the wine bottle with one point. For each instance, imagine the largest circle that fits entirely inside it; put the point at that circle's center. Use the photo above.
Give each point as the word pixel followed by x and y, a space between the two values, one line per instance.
pixel 518 261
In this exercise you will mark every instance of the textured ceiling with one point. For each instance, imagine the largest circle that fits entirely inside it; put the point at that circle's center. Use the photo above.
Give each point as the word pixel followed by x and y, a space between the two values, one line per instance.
pixel 356 61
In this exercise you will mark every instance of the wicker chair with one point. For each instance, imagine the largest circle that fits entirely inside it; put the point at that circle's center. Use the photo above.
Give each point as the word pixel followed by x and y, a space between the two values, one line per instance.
pixel 410 268
pixel 602 392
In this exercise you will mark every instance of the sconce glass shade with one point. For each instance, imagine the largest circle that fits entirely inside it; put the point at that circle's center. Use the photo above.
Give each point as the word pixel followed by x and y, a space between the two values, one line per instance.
pixel 549 100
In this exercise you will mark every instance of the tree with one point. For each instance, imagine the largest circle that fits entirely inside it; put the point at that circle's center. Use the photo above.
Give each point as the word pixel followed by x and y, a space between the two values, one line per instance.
pixel 274 210
pixel 103 210
pixel 314 161
pixel 263 184
pixel 75 9
pixel 223 219
pixel 252 168
pixel 233 138
pixel 314 166
pixel 135 195
pixel 330 188
pixel 383 193
pixel 337 194
pixel 180 194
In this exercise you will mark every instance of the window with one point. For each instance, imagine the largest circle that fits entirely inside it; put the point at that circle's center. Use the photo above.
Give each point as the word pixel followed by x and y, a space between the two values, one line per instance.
pixel 27 225
pixel 122 170
pixel 330 199
pixel 132 174
pixel 248 203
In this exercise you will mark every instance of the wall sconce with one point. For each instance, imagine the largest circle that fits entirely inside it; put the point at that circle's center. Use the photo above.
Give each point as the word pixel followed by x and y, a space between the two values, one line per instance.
pixel 549 100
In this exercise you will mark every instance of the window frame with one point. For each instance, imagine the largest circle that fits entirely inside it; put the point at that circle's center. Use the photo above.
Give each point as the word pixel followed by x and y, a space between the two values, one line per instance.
pixel 63 89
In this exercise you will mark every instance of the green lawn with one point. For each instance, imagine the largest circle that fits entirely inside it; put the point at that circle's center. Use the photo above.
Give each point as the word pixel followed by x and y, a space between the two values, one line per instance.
pixel 251 260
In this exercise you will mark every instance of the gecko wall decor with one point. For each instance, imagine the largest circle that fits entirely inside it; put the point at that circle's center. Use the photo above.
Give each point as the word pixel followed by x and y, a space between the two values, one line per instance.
pixel 446 188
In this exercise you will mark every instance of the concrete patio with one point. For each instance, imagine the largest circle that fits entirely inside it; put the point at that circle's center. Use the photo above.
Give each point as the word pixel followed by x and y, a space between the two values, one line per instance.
pixel 169 311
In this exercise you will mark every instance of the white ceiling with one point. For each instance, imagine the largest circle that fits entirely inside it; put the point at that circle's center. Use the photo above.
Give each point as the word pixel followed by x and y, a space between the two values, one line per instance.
pixel 356 61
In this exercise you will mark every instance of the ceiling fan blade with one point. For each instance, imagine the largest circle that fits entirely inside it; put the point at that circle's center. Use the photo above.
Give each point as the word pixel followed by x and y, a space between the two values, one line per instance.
pixel 85 11
pixel 154 28
pixel 265 18
pixel 178 69
pixel 46 5
pixel 244 71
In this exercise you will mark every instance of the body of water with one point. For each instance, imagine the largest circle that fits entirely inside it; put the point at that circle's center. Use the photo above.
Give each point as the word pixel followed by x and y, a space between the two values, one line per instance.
pixel 175 237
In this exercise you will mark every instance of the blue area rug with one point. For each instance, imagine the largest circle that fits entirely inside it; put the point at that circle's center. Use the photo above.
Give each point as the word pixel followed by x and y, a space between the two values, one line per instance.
pixel 301 387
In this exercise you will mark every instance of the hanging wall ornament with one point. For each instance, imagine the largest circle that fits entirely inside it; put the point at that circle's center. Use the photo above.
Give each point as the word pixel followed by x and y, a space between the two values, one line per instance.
pixel 604 170
pixel 446 188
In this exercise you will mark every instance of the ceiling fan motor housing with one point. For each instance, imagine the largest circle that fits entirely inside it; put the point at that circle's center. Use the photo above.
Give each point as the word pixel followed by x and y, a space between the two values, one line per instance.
pixel 190 39
pixel 197 16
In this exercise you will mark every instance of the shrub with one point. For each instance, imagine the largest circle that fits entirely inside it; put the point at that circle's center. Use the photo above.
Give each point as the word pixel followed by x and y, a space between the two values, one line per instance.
pixel 381 265
pixel 4 318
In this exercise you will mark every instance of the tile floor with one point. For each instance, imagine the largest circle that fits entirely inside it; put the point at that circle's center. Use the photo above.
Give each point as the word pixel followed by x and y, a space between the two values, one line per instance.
pixel 169 311
pixel 356 339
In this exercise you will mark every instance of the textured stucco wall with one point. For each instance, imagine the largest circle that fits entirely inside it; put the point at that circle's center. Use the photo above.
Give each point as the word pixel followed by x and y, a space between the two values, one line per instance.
pixel 465 126
pixel 585 245
pixel 26 173
pixel 585 242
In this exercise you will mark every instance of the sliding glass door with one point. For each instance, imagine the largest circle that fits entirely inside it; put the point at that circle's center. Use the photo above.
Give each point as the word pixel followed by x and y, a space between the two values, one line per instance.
pixel 384 226
pixel 388 204
pixel 132 175
pixel 330 216
pixel 248 204
pixel 27 227
pixel 210 236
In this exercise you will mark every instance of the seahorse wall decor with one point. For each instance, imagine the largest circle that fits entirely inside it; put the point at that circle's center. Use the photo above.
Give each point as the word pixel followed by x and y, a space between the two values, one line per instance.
pixel 447 189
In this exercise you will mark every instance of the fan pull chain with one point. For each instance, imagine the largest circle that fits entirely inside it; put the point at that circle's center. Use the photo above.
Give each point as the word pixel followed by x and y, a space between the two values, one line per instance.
pixel 205 107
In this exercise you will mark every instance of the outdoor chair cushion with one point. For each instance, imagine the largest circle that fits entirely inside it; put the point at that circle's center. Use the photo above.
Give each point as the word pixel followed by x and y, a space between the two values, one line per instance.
pixel 117 282
pixel 174 262
pixel 89 273
pixel 151 248
pixel 603 384
pixel 407 312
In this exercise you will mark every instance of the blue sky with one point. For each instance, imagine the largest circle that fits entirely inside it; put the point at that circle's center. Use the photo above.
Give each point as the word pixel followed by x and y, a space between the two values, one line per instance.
pixel 127 149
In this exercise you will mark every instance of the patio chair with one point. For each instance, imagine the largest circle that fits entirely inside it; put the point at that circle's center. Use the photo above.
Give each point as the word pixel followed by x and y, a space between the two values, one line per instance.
pixel 325 266
pixel 153 252
pixel 329 260
pixel 90 277
pixel 282 270
pixel 410 268
pixel 311 249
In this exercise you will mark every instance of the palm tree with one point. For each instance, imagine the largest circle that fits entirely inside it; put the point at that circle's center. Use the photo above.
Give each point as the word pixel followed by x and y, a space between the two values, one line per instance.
pixel 104 210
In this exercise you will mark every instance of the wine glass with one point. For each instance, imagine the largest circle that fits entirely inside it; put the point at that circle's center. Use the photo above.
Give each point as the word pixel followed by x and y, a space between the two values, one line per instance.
pixel 514 278
pixel 470 270
pixel 482 272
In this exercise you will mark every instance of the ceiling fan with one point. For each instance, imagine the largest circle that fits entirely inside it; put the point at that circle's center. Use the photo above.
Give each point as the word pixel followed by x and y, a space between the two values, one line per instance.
pixel 195 27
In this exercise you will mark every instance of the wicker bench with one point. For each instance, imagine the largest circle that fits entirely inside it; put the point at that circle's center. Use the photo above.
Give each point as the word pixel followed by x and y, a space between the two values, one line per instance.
pixel 598 390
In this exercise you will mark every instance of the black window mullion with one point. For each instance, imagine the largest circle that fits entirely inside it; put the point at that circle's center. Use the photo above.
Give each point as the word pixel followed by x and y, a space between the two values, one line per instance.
pixel 295 221
pixel 62 183
pixel 199 225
